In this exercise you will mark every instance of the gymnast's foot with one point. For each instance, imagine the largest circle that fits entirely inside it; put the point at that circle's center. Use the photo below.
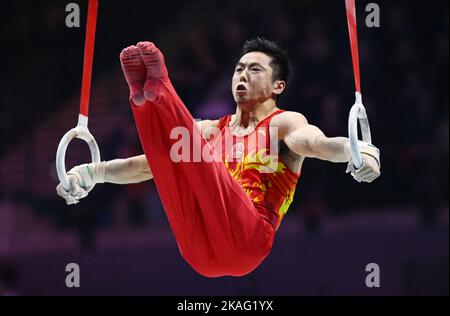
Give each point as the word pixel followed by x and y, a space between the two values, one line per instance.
pixel 134 70
pixel 154 65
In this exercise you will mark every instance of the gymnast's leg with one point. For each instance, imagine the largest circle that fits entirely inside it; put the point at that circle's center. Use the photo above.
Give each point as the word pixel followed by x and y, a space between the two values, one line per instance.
pixel 218 229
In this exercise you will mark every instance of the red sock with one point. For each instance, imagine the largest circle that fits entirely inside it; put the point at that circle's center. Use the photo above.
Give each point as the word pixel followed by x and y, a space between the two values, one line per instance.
pixel 134 71
pixel 154 65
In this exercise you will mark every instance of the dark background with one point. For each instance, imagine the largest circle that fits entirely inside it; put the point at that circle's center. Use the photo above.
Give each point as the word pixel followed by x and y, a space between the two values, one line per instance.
pixel 119 235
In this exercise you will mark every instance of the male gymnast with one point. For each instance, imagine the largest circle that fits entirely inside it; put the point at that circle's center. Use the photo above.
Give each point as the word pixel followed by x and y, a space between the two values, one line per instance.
pixel 224 212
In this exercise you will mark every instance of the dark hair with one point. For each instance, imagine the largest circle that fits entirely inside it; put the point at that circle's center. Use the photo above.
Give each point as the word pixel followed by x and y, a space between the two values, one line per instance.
pixel 281 65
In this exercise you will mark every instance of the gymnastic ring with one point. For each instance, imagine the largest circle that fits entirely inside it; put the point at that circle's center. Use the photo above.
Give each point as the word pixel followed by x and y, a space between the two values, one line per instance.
pixel 358 114
pixel 81 131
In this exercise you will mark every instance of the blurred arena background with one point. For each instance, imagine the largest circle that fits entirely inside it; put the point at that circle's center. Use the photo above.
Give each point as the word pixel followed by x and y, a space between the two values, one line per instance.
pixel 119 235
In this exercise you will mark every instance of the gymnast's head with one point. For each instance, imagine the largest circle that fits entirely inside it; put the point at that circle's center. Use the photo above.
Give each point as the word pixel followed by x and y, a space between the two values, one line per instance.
pixel 261 74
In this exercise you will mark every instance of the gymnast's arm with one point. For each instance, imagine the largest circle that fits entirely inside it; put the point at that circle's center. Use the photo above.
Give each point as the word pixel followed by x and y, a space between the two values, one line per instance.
pixel 126 171
pixel 118 171
pixel 309 141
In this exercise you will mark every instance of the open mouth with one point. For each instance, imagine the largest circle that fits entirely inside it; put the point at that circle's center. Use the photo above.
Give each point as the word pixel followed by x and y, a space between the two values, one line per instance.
pixel 241 88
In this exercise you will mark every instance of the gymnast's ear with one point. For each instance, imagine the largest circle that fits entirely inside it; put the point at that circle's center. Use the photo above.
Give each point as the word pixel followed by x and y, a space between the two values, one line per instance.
pixel 278 87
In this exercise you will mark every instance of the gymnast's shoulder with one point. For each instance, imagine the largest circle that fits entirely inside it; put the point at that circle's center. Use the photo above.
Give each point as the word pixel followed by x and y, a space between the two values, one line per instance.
pixel 288 121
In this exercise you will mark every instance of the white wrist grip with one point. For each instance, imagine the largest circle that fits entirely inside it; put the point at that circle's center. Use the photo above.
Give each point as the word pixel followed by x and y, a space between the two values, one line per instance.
pixel 82 132
pixel 358 114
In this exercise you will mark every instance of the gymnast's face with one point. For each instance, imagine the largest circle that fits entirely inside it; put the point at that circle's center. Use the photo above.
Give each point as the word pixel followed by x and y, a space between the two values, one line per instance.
pixel 252 80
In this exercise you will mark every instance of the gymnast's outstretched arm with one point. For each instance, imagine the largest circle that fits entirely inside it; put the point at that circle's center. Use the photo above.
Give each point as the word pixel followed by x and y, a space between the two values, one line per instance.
pixel 309 141
pixel 135 169
pixel 119 171
pixel 126 171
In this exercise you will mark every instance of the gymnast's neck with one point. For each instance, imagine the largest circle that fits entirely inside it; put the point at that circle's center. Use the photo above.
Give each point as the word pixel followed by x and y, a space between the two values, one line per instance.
pixel 250 114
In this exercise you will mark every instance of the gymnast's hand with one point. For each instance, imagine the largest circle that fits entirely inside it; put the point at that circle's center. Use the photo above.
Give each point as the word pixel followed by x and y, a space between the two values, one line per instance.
pixel 370 169
pixel 75 192
pixel 81 181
